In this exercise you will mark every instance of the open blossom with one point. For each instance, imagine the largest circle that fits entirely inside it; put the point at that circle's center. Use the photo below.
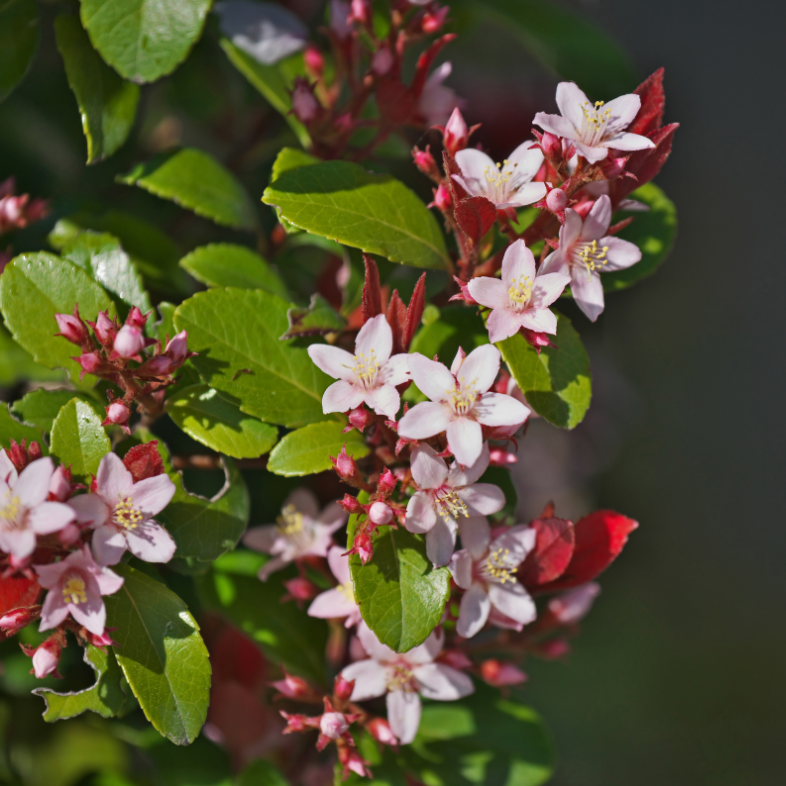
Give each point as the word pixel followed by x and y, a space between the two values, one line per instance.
pixel 521 298
pixel 506 184
pixel 75 586
pixel 585 251
pixel 121 513
pixel 370 375
pixel 460 402
pixel 448 499
pixel 339 601
pixel 25 512
pixel 487 571
pixel 594 128
pixel 405 678
pixel 301 531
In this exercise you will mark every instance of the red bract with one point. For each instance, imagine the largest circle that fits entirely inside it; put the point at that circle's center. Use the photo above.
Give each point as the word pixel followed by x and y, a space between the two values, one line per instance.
pixel 475 216
pixel 16 593
pixel 552 553
pixel 653 101
pixel 372 292
pixel 144 461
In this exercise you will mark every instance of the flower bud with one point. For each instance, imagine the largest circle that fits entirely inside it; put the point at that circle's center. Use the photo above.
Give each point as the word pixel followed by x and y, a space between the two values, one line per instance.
pixel 382 61
pixel 105 329
pixel 129 341
pixel 343 688
pixel 300 589
pixel 352 762
pixel 340 19
pixel 434 20
pixel 502 458
pixel 571 607
pixel 360 418
pixel 333 725
pixel 456 659
pixel 425 162
pixel 552 649
pixel 464 294
pixel 551 146
pixel 556 200
pixel 69 534
pixel 537 340
pixel 347 469
pixel 304 105
pixel 72 328
pixel 13 621
pixel 21 456
pixel 380 730
pixel 117 413
pixel 296 722
pixel 351 504
pixel 380 513
pixel 47 657
pixel 499 674
pixel 361 12
pixel 177 349
pixel 387 482
pixel 314 60
pixel 292 687
pixel 362 546
pixel 442 199
pixel 136 318
pixel 104 640
pixel 456 134
pixel 60 485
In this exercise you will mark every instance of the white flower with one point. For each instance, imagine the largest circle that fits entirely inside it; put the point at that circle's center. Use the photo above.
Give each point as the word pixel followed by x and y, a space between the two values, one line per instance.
pixel 460 402
pixel 508 184
pixel 444 496
pixel 488 574
pixel 594 128
pixel 302 531
pixel 585 251
pixel 405 678
pixel 369 375
pixel 520 299
pixel 437 102
pixel 339 601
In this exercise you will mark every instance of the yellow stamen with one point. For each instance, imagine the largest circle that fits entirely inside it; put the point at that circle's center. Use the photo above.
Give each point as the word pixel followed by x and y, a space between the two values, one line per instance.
pixel 401 679
pixel 10 511
pixel 593 256
pixel 366 369
pixel 497 568
pixel 290 521
pixel 126 515
pixel 347 591
pixel 520 291
pixel 74 591
pixel 450 505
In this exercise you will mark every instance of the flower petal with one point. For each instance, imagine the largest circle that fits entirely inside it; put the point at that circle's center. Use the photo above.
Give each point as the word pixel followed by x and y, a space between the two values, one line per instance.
pixel 518 262
pixel 384 400
pixel 8 473
pixel 373 646
pixel 588 293
pixel 151 542
pixel 108 581
pixel 515 543
pixel 20 543
pixel 458 476
pixel 369 677
pixel 331 604
pixel 375 338
pixel 621 253
pixel 628 142
pixel 304 501
pixel 396 370
pixel 475 165
pixel 526 194
pixel 489 292
pixel 335 362
pixel 483 498
pixel 428 470
pixel 473 611
pixel 502 324
pixel 91 614
pixel 404 714
pixel 623 110
pixel 443 683
pixel 428 650
pixel 572 101
pixel 480 368
pixel 32 485
pixel 54 610
pixel 432 378
pixel 554 124
pixel 339 564
pixel 465 440
pixel 498 409
pixel 548 287
pixel 332 516
pixel 152 495
pixel 342 396
pixel 109 545
pixel 513 601
pixel 50 517
pixel 527 159
pixel 541 320
pixel 460 567
pixel 113 480
pixel 597 221
pixel 421 515
pixel 441 541
pixel 262 538
pixel 424 420
pixel 90 509
pixel 271 567
pixel 592 154
pixel 475 535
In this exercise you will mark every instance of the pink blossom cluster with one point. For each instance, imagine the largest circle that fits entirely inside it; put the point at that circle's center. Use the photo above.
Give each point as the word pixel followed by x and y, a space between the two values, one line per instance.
pixel 16 212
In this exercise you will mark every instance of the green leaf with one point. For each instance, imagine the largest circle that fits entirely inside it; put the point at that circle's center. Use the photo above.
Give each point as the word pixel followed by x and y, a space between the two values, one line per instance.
pixel 653 232
pixel 387 766
pixel 219 425
pixel 107 104
pixel 286 634
pixel 308 450
pixel 41 407
pixel 236 333
pixel 78 439
pixel 272 82
pixel 557 382
pixel 161 654
pixel 194 180
pixel 376 213
pixel 571 46
pixel 230 265
pixel 18 41
pixel 144 40
pixel 106 697
pixel 261 773
pixel 35 287
pixel 13 429
pixel 401 595
pixel 456 326
pixel 289 159
pixel 319 318
pixel 17 365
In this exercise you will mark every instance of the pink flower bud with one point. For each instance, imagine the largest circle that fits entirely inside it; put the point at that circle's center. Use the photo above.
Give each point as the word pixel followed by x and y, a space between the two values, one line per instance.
pixel 104 640
pixel 361 12
pixel 557 200
pixel 351 504
pixel 296 722
pixel 551 146
pixel 387 482
pixel 69 534
pixel 553 649
pixel 304 105
pixel 537 340
pixel 343 688
pixel 380 730
pixel 60 485
pixel 499 674
pixel 72 327
pixel 117 413
pixel 301 589
pixel 14 621
pixel 380 513
pixel 573 606
pixel 292 687
pixel 464 295
pixel 347 469
pixel 352 762
pixel 434 20
pixel 21 456
pixel 425 162
pixel 442 199
pixel 136 318
pixel 177 349
pixel 46 658
pixel 333 725
pixel 105 329
pixel 502 458
pixel 382 61
pixel 362 546
pixel 129 341
pixel 314 60
pixel 456 133
pixel 340 19
pixel 455 658
pixel 360 418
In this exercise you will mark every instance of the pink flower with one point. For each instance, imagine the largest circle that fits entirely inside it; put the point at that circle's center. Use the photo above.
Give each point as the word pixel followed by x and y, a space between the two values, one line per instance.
pixel 75 586
pixel 404 678
pixel 594 128
pixel 129 341
pixel 302 531
pixel 25 512
pixel 456 134
pixel 460 402
pixel 585 251
pixel 437 102
pixel 339 601
pixel 445 495
pixel 46 658
pixel 121 513
pixel 333 725
pixel 508 184
pixel 571 607
pixel 370 375
pixel 487 571
pixel 521 298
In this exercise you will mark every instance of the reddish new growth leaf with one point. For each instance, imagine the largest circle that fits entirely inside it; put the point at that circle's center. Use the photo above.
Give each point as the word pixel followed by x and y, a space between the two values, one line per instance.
pixel 397 319
pixel 475 216
pixel 144 461
pixel 425 61
pixel 600 537
pixel 414 313
pixel 372 292
pixel 18 593
pixel 552 553
pixel 653 101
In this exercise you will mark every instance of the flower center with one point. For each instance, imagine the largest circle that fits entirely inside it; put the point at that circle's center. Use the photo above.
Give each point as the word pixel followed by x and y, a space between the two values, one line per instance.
pixel 498 180
pixel 126 515
pixel 290 522
pixel 520 292
pixel 593 256
pixel 400 678
pixel 366 370
pixel 347 590
pixel 497 566
pixel 463 397
pixel 596 117
pixel 450 505
pixel 74 590
pixel 10 513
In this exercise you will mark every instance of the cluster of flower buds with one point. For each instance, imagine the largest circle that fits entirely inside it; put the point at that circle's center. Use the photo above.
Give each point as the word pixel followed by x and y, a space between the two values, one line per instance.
pixel 16 212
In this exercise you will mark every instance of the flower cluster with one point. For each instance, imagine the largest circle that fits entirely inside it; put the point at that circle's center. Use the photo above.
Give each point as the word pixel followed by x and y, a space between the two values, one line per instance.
pixel 16 212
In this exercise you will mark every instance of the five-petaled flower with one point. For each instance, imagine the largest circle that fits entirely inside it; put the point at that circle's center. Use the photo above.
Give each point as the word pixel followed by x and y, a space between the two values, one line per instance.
pixel 594 128
pixel 339 601
pixel 487 571
pixel 585 251
pixel 506 184
pixel 121 513
pixel 521 298
pixel 405 678
pixel 24 510
pixel 460 402
pixel 370 375
pixel 75 586
pixel 301 531
pixel 448 499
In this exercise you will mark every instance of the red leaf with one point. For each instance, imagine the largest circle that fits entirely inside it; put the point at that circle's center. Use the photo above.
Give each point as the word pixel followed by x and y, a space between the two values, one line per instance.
pixel 653 100
pixel 397 319
pixel 476 216
pixel 644 164
pixel 18 593
pixel 425 61
pixel 414 312
pixel 144 461
pixel 552 553
pixel 372 294
pixel 600 537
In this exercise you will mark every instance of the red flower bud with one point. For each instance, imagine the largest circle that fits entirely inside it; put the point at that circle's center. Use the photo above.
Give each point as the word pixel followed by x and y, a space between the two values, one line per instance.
pixel 305 106
pixel 456 134
pixel 314 60
pixel 343 688
pixel 498 674
pixel 537 340
pixel 551 146
pixel 380 513
pixel 69 534
pixel 442 199
pixel 72 328
pixel 362 546
pixel 556 200
pixel 13 621
pixel 425 162
pixel 387 482
pixel 455 658
pixel 21 456
pixel 117 413
pixel 297 722
pixel 361 12
pixel 300 589
pixel 136 318
pixel 293 687
pixel 351 504
pixel 464 295
pixel 502 458
pixel 434 20
pixel 47 657
pixel 380 730
pixel 104 640
pixel 352 762
pixel 359 418
pixel 105 329
pixel 382 61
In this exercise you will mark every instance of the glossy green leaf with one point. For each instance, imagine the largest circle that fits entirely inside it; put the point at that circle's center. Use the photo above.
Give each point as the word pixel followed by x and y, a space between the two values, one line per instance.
pixel 161 654
pixel 230 265
pixel 18 40
pixel 456 326
pixel 376 213
pixel 107 104
pixel 40 407
pixel 35 287
pixel 289 159
pixel 272 82
pixel 401 595
pixel 653 232
pixel 144 40
pixel 17 364
pixel 286 634
pixel 13 429
pixel 318 319
pixel 236 333
pixel 219 425
pixel 106 697
pixel 261 773
pixel 557 382
pixel 78 439
pixel 308 450
pixel 195 180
